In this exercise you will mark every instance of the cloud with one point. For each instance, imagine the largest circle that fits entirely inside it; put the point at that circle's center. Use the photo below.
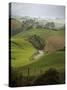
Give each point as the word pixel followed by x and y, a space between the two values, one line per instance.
pixel 38 10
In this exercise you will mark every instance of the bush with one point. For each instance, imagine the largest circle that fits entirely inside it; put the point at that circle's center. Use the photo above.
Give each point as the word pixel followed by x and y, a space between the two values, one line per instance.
pixel 51 76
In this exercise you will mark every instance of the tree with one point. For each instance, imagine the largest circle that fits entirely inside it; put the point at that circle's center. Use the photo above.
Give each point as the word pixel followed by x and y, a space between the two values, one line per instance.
pixel 37 42
pixel 27 24
pixel 50 25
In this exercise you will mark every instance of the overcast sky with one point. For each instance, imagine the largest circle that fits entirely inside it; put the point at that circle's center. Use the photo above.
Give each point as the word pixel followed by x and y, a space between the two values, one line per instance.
pixel 37 10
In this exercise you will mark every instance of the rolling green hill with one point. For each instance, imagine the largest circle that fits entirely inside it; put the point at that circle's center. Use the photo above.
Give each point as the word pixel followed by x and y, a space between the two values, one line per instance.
pixel 53 60
pixel 45 33
pixel 21 51
pixel 54 39
pixel 24 68
pixel 16 26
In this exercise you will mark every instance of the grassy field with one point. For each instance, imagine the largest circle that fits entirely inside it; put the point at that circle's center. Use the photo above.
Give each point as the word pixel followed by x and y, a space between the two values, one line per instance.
pixel 53 60
pixel 22 51
pixel 45 33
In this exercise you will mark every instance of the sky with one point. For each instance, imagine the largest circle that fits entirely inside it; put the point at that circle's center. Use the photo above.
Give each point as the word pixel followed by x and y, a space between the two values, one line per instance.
pixel 37 10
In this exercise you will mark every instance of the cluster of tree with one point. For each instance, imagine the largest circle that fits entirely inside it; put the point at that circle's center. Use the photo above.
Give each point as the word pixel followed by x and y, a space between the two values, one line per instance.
pixel 28 24
pixel 51 76
pixel 37 42
pixel 50 25
pixel 17 26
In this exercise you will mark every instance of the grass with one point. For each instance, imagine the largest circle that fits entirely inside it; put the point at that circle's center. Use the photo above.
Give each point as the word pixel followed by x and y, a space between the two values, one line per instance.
pixel 54 60
pixel 45 33
pixel 22 50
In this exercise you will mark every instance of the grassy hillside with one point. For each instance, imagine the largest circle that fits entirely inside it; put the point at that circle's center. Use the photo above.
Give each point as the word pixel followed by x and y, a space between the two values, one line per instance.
pixel 21 51
pixel 16 26
pixel 53 60
pixel 45 33
pixel 54 39
pixel 24 69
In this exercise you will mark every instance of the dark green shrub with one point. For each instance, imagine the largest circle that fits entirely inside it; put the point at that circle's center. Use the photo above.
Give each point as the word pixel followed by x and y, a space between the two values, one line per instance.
pixel 51 76
pixel 37 42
